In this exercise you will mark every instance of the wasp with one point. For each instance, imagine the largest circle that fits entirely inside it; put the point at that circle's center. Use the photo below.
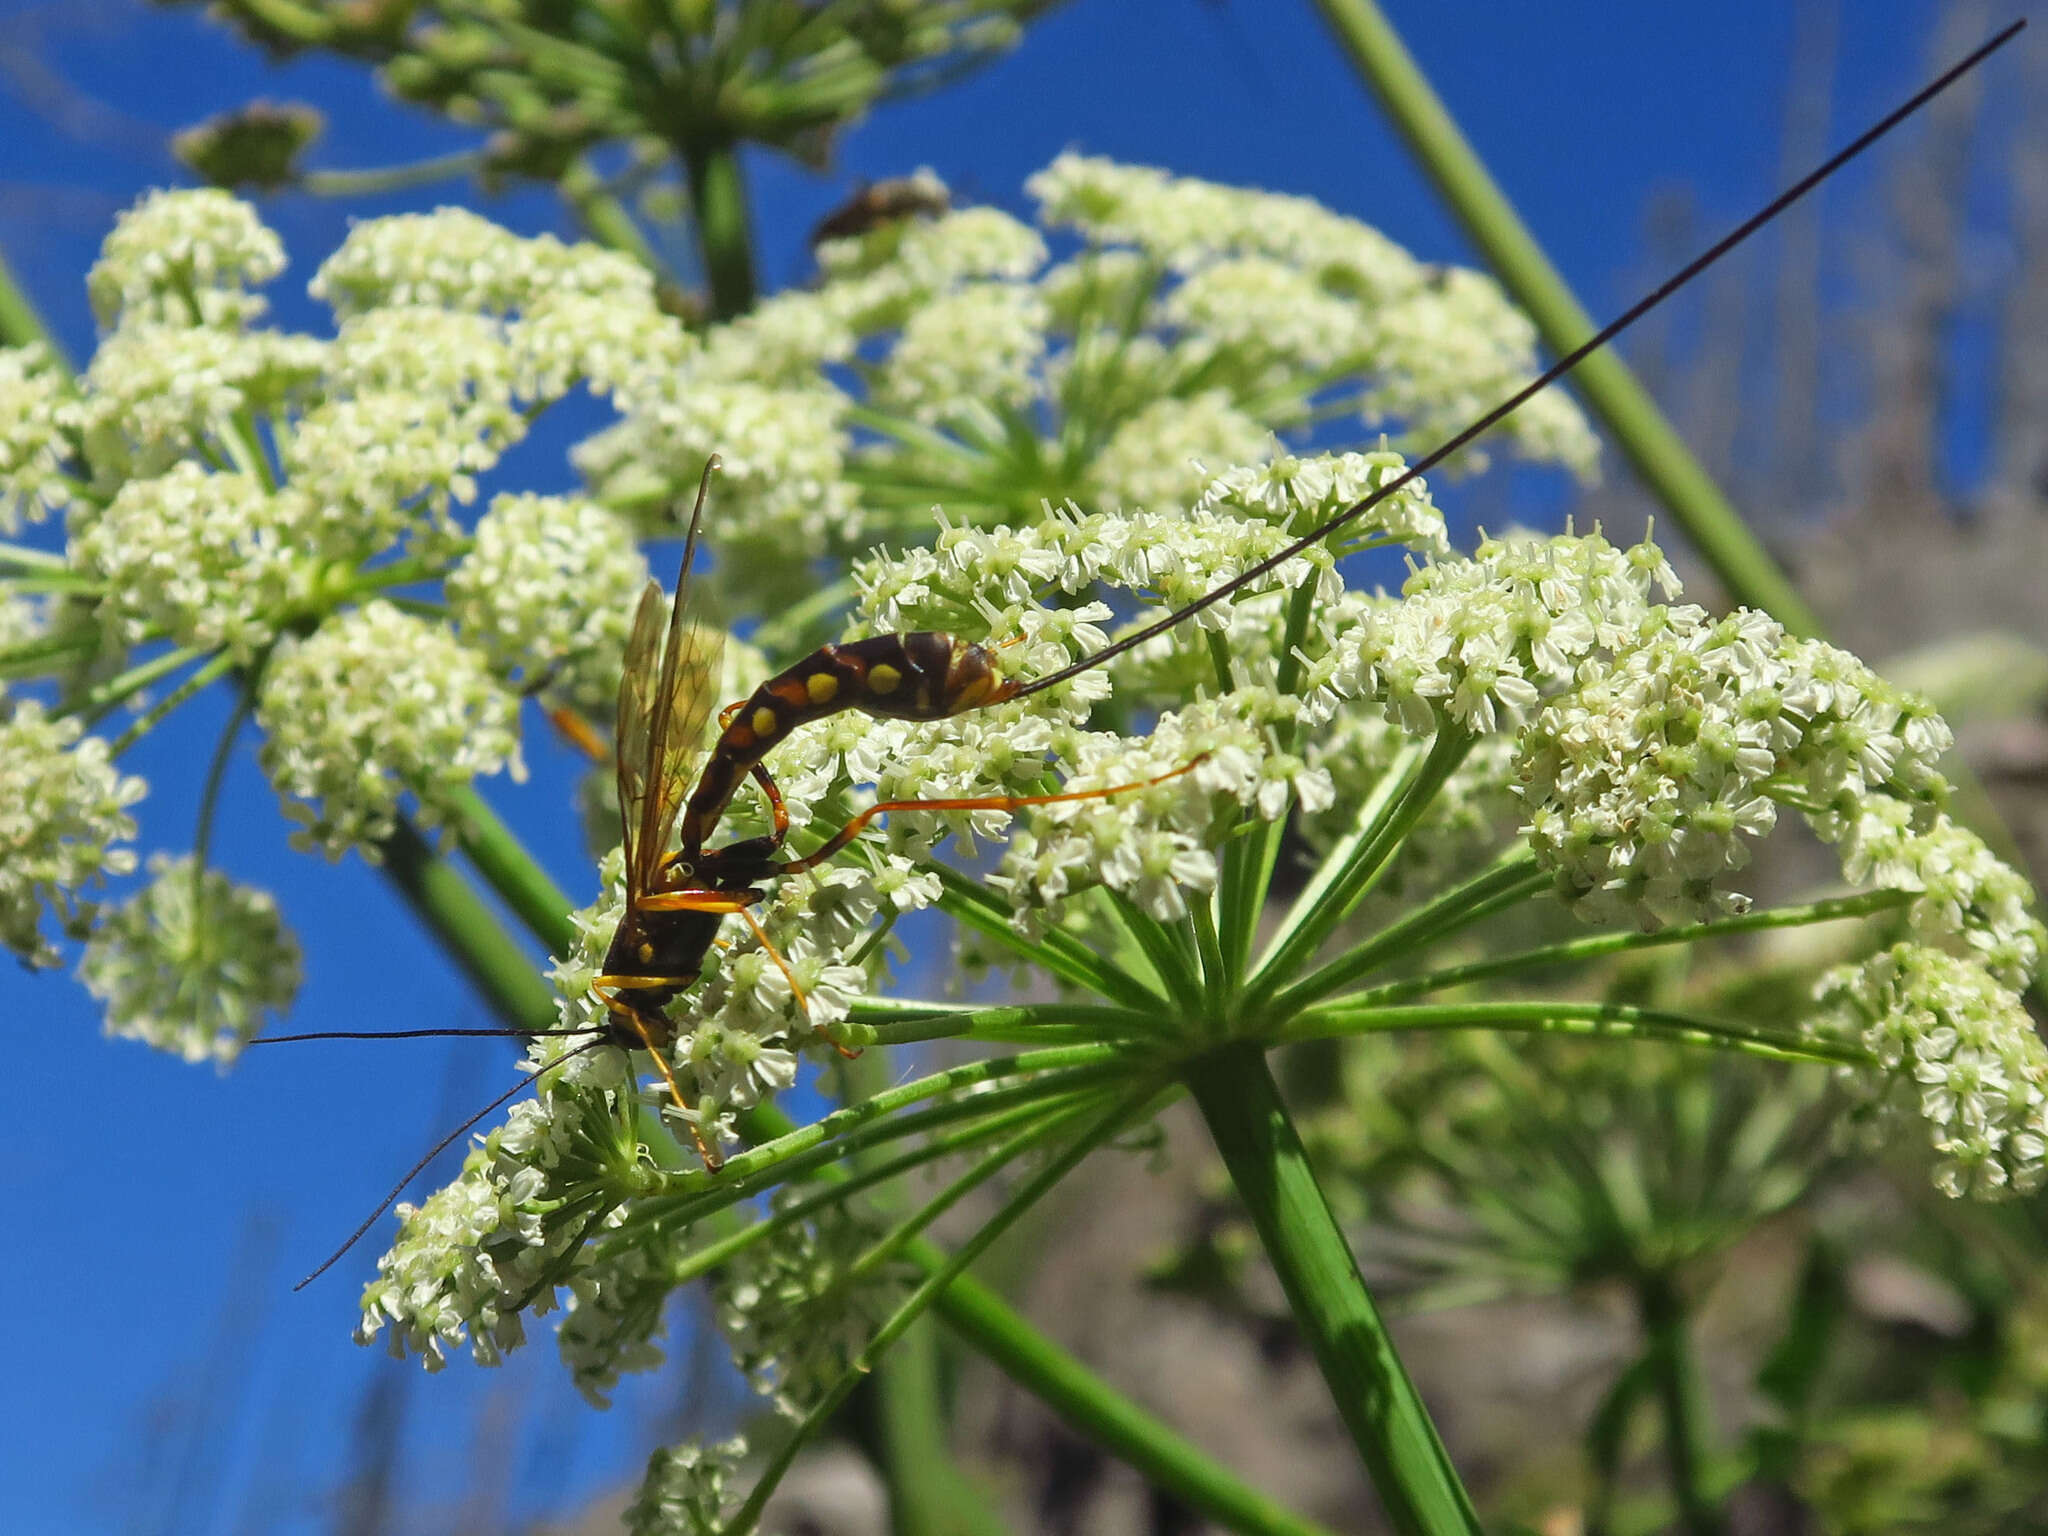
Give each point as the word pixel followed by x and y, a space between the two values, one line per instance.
pixel 676 902
pixel 875 203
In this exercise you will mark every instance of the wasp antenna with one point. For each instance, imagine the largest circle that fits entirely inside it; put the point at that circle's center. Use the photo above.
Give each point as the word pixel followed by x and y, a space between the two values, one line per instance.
pixel 1556 370
pixel 439 1147
pixel 417 1034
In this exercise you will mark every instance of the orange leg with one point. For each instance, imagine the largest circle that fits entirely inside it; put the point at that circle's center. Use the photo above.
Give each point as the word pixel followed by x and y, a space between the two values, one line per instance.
pixel 602 989
pixel 578 732
pixel 855 827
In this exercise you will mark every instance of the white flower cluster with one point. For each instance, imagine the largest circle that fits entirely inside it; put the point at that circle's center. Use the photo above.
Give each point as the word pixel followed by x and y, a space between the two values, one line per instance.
pixel 1965 1048
pixel 1158 455
pixel 193 963
pixel 1647 783
pixel 372 704
pixel 202 558
pixel 685 1490
pixel 547 592
pixel 154 394
pixel 63 808
pixel 942 358
pixel 1482 641
pixel 792 1314
pixel 32 449
pixel 1298 286
pixel 614 1315
pixel 182 259
pixel 1969 901
pixel 513 1221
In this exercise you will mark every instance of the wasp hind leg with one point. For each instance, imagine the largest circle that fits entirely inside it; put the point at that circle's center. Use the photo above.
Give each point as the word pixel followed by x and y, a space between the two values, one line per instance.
pixel 605 988
pixel 855 827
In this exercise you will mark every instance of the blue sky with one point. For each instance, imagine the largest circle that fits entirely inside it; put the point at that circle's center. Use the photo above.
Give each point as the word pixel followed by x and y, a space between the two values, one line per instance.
pixel 162 1212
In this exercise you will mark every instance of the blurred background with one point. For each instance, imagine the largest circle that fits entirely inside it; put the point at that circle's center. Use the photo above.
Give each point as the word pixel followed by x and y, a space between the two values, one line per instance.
pixel 1869 381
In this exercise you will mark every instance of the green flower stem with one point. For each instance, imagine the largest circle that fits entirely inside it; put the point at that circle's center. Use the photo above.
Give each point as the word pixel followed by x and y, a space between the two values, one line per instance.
pixel 1044 1128
pixel 718 195
pixel 968 902
pixel 1380 1406
pixel 468 931
pixel 603 217
pixel 98 700
pixel 911 434
pixel 33 657
pixel 1086 1402
pixel 907 1420
pixel 373 181
pixel 1391 785
pixel 1005 1216
pixel 1667 1350
pixel 49 563
pixel 842 1182
pixel 1030 1024
pixel 1506 883
pixel 1347 1016
pixel 510 870
pixel 1160 949
pixel 685 1197
pixel 1355 865
pixel 21 324
pixel 1576 950
pixel 929 1495
pixel 1653 448
pixel 209 794
pixel 217 666
pixel 1248 861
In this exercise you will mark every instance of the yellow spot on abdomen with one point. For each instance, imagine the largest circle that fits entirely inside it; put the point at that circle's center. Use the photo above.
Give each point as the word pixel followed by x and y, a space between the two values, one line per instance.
pixel 884 678
pixel 822 687
pixel 765 722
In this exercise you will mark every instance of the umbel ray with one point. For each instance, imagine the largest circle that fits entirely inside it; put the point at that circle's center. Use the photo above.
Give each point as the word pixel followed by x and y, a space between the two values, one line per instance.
pixel 676 901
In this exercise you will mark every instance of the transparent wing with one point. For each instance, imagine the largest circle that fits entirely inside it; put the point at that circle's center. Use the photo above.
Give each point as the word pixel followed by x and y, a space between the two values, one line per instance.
pixel 692 695
pixel 662 714
pixel 632 744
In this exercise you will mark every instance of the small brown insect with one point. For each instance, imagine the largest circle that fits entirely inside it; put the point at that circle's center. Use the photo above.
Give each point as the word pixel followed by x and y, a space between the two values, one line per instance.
pixel 875 203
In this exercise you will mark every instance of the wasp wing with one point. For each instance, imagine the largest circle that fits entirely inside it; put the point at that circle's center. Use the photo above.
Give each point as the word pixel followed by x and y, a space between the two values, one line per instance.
pixel 632 744
pixel 661 717
pixel 660 741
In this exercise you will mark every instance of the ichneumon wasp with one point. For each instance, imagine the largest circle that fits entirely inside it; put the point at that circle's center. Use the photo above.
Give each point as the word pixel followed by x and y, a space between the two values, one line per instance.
pixel 676 902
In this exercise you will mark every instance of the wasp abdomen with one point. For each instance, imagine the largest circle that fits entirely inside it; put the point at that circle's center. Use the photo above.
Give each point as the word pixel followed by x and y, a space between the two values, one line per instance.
pixel 920 676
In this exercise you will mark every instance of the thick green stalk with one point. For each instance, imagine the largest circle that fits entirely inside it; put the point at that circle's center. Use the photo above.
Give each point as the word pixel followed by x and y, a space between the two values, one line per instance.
pixel 1648 441
pixel 925 1489
pixel 1667 1350
pixel 1389 1424
pixel 718 193
pixel 511 871
pixel 468 931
